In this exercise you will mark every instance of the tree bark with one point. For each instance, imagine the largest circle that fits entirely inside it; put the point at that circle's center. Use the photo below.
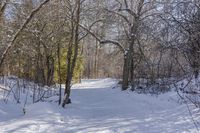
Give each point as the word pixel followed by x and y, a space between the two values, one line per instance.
pixel 59 74
pixel 75 54
pixel 126 71
pixel 12 41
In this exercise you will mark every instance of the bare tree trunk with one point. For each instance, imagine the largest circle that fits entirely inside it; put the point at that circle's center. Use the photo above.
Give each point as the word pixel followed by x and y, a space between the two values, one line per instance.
pixel 59 74
pixel 2 8
pixel 126 71
pixel 96 61
pixel 75 49
pixel 129 59
pixel 50 70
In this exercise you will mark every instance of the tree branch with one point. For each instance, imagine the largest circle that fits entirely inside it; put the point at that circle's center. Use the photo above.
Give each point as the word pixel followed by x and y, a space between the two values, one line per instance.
pixel 129 11
pixel 2 8
pixel 12 42
pixel 120 15
pixel 103 41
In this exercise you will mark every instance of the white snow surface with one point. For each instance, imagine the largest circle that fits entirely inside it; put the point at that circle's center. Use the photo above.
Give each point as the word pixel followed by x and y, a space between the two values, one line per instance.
pixel 98 106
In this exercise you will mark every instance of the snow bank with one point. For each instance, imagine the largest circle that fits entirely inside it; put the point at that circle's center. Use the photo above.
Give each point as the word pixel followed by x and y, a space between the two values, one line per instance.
pixel 98 106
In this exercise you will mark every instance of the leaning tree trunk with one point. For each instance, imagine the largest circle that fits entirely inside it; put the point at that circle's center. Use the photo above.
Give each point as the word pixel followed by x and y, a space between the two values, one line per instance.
pixel 2 8
pixel 74 57
pixel 14 37
pixel 68 74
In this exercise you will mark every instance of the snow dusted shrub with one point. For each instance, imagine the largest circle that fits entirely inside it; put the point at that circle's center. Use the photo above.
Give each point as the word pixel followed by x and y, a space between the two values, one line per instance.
pixel 22 91
pixel 148 87
pixel 189 90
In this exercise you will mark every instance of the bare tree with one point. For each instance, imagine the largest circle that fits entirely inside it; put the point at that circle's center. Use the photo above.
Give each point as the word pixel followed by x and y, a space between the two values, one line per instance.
pixel 72 50
pixel 11 44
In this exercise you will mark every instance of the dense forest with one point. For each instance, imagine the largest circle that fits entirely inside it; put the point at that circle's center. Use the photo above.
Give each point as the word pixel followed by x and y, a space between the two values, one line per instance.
pixel 147 45
pixel 53 41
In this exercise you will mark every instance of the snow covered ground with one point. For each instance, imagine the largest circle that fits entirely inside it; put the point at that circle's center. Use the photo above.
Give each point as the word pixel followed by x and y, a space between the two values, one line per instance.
pixel 98 106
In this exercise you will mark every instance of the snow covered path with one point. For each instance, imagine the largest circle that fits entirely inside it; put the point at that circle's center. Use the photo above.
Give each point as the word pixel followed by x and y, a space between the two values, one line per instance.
pixel 98 107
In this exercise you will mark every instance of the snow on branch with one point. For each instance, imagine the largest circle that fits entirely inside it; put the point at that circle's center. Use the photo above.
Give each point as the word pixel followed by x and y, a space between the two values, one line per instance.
pixel 102 41
pixel 28 19
pixel 115 43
